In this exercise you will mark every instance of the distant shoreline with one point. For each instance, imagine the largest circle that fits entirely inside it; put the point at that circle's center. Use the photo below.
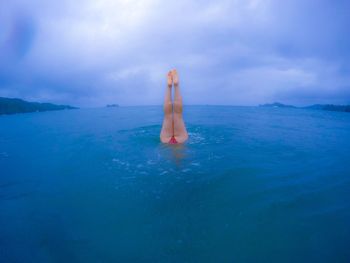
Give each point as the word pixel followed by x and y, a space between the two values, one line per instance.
pixel 9 106
pixel 13 106
pixel 327 107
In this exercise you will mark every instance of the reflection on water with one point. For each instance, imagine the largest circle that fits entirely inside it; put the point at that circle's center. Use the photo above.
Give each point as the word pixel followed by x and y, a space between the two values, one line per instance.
pixel 177 152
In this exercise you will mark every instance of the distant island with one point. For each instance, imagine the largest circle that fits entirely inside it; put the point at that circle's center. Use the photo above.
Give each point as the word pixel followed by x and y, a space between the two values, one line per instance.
pixel 12 106
pixel 277 105
pixel 328 107
pixel 112 105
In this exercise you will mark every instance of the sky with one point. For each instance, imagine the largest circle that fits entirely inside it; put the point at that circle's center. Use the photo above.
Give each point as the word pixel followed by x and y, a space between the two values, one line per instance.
pixel 240 52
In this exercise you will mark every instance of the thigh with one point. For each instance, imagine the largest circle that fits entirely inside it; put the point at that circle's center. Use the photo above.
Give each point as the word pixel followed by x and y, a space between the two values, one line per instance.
pixel 180 131
pixel 167 129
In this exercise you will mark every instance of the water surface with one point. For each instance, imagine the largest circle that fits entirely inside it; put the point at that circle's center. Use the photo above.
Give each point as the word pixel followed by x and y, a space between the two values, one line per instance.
pixel 251 185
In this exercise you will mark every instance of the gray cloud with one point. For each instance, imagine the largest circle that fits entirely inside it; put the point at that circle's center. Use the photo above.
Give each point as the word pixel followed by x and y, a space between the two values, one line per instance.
pixel 90 53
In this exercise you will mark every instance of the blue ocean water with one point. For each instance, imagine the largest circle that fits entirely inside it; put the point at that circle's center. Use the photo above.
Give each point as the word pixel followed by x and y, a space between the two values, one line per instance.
pixel 251 185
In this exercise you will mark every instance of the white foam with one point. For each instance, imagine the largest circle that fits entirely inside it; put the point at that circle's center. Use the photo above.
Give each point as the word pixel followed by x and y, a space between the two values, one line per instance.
pixel 195 138
pixel 150 162
pixel 119 162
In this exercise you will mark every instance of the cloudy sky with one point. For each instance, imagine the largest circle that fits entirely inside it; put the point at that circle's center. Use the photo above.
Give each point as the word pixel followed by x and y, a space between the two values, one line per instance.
pixel 237 52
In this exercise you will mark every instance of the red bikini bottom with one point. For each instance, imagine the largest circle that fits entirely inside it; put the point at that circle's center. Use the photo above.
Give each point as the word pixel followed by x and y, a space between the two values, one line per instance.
pixel 172 140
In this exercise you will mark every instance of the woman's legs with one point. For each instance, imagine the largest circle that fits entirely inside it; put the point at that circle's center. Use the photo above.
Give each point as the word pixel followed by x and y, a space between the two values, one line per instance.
pixel 173 123
pixel 168 126
pixel 180 132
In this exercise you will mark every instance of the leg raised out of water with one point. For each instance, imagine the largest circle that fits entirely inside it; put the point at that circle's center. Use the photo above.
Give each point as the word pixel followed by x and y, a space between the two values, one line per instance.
pixel 168 124
pixel 180 132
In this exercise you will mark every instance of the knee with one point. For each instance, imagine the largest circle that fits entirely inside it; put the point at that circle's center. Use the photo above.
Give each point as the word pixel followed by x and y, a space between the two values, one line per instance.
pixel 168 107
pixel 177 106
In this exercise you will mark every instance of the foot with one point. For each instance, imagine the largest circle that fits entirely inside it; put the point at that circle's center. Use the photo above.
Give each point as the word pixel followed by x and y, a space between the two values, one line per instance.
pixel 175 77
pixel 169 79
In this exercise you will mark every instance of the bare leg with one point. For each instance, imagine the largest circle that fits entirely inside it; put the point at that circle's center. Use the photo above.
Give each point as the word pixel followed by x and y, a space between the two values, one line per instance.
pixel 168 125
pixel 180 132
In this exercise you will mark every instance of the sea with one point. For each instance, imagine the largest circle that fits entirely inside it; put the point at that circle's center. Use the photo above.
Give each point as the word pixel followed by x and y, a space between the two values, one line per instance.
pixel 252 184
